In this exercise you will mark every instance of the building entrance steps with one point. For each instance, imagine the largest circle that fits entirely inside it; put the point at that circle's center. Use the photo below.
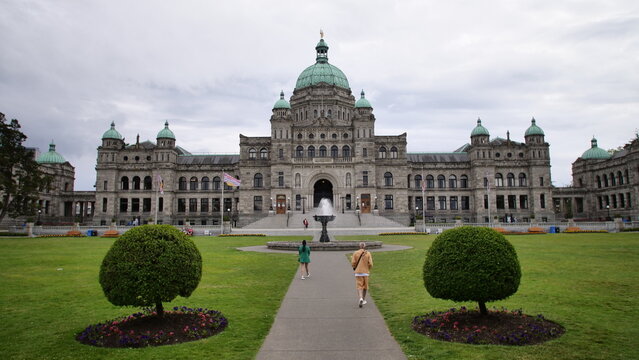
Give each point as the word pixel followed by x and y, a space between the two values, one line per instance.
pixel 320 319
pixel 349 219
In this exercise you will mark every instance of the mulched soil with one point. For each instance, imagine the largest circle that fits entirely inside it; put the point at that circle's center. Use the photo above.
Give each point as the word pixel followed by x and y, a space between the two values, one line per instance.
pixel 140 330
pixel 497 328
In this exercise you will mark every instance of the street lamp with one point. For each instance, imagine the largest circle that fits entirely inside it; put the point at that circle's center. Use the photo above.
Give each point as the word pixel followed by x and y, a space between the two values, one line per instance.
pixel 342 204
pixel 303 205
pixel 39 213
pixel 271 205
pixel 375 202
pixel 608 208
pixel 357 203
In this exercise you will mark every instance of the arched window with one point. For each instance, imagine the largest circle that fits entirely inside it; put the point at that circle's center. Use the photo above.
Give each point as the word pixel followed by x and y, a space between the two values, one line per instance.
pixel 258 180
pixel 452 181
pixel 388 179
pixel 619 178
pixel 605 179
pixel 136 183
pixel 522 180
pixel 511 179
pixel 315 113
pixel 148 183
pixel 613 181
pixel 205 183
pixel 193 183
pixel 311 151
pixel 598 181
pixel 334 151
pixel 330 113
pixel 408 181
pixel 182 183
pixel 252 153
pixel 322 151
pixel 382 152
pixel 463 181
pixel 299 152
pixel 441 181
pixel 280 153
pixel 299 136
pixel 625 175
pixel 393 153
pixel 348 179
pixel 263 153
pixel 124 183
pixel 486 183
pixel 418 181
pixel 298 180
pixel 430 181
pixel 499 180
pixel 311 136
pixel 216 183
pixel 346 151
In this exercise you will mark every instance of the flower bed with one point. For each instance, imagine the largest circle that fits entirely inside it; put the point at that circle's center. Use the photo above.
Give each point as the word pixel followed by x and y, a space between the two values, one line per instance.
pixel 111 233
pixel 237 235
pixel 499 327
pixel 402 233
pixel 146 329
pixel 575 229
pixel 74 233
pixel 536 230
pixel 60 235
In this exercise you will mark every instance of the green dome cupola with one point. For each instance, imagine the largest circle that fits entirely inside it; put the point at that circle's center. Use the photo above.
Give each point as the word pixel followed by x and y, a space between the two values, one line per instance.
pixel 479 129
pixel 363 102
pixel 595 152
pixel 51 157
pixel 534 129
pixel 112 133
pixel 166 133
pixel 281 103
pixel 322 71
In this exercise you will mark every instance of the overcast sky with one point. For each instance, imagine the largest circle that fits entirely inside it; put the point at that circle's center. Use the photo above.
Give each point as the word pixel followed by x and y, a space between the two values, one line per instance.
pixel 214 69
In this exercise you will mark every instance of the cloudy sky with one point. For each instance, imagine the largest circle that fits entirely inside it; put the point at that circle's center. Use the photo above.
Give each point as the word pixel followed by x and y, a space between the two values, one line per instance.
pixel 214 69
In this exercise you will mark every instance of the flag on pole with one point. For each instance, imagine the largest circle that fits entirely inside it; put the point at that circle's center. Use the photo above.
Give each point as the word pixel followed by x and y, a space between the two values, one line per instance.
pixel 161 184
pixel 423 184
pixel 231 181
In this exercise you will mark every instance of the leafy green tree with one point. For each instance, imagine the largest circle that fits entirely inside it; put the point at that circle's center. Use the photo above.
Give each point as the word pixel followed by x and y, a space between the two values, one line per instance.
pixel 471 264
pixel 21 179
pixel 149 265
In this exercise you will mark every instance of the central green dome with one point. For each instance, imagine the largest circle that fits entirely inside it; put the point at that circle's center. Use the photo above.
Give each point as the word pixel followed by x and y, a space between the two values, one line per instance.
pixel 51 157
pixel 479 130
pixel 166 133
pixel 595 152
pixel 322 71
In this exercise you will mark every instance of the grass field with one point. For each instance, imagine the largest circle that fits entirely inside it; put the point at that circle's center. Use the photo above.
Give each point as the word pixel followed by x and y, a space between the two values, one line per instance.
pixel 587 282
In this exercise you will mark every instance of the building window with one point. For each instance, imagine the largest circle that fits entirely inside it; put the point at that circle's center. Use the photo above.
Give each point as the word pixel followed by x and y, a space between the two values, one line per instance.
pixel 136 183
pixel 124 183
pixel 628 200
pixel 298 180
pixel 511 179
pixel 322 151
pixel 499 180
pixel 299 152
pixel 364 152
pixel 485 201
pixel 419 203
pixel 430 181
pixel 453 203
pixel 346 151
pixel 542 201
pixel 430 203
pixel 418 181
pixel 257 203
pixel 622 201
pixel 382 152
pixel 216 183
pixel 512 201
pixel 105 185
pixel 193 183
pixel 523 201
pixel 280 153
pixel 613 182
pixel 393 153
pixel 205 183
pixel 388 179
pixel 105 203
pixel 124 205
pixel 365 178
pixel 441 181
pixel 204 205
pixel 541 181
pixel 258 180
pixel 442 202
pixel 215 204
pixel 146 204
pixel 148 183
pixel 600 199
pixel 388 202
pixel 311 151
pixel 181 204
pixel 334 151
pixel 182 183
pixel 614 200
pixel 348 179
pixel 192 205
pixel 463 181
pixel 160 204
pixel 598 181
pixel 263 154
pixel 500 201
pixel 465 203
pixel 452 182
pixel 280 179
pixel 522 180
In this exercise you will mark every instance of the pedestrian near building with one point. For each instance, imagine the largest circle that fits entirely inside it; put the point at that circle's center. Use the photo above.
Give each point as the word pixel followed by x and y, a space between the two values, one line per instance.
pixel 304 258
pixel 305 222
pixel 362 262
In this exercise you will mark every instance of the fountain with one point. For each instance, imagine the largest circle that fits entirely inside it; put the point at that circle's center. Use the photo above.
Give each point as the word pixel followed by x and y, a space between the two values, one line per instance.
pixel 324 215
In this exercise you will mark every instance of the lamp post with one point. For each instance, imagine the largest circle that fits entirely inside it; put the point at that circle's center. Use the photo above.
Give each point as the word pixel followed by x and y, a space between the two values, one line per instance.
pixel 357 203
pixel 375 202
pixel 303 205
pixel 608 208
pixel 39 213
pixel 271 205
pixel 342 204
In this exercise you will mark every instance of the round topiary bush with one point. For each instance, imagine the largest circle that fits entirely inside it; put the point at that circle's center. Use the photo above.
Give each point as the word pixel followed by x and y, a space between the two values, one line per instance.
pixel 471 264
pixel 150 264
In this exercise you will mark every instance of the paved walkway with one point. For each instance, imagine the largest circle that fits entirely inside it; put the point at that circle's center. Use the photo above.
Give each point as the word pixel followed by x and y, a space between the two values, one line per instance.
pixel 320 318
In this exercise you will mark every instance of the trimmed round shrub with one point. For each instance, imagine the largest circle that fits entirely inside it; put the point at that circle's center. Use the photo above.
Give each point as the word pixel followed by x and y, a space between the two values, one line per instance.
pixel 471 264
pixel 150 264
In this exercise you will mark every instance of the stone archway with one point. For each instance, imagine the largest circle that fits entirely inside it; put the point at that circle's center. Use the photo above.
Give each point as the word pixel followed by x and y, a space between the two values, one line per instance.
pixel 322 189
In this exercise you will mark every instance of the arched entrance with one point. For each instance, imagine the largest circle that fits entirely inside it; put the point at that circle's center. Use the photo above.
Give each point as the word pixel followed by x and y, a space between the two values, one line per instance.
pixel 322 189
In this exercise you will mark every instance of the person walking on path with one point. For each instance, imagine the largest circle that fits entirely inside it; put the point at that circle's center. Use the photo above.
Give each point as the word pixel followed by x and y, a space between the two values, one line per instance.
pixel 362 262
pixel 304 252
pixel 305 222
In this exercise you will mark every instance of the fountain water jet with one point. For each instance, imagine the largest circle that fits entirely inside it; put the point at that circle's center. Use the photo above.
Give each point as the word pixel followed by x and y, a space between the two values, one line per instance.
pixel 324 215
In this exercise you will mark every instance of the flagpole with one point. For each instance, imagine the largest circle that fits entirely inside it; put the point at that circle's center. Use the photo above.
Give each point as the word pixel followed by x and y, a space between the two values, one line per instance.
pixel 423 201
pixel 157 192
pixel 222 206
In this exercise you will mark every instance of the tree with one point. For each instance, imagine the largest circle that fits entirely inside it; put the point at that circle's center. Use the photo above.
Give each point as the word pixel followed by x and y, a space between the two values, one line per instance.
pixel 150 264
pixel 471 264
pixel 21 179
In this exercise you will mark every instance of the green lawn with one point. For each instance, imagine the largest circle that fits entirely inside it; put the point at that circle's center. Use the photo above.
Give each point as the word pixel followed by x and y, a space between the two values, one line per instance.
pixel 589 283
pixel 43 307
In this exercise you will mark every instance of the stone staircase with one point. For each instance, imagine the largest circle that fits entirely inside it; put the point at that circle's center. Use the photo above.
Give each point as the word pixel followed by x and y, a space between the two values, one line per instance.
pixel 347 220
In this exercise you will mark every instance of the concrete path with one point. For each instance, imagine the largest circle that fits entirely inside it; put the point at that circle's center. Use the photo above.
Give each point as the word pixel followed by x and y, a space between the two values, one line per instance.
pixel 320 318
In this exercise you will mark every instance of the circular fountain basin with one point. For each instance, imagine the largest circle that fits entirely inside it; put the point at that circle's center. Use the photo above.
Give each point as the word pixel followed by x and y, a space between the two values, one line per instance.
pixel 323 246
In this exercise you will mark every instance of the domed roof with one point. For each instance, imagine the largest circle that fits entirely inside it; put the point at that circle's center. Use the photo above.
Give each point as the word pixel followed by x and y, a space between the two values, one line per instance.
pixel 362 102
pixel 534 129
pixel 112 133
pixel 595 152
pixel 281 103
pixel 322 71
pixel 479 129
pixel 166 133
pixel 51 157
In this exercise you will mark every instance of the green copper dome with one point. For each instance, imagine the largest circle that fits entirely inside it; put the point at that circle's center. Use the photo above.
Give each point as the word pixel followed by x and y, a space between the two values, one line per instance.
pixel 281 103
pixel 322 71
pixel 166 133
pixel 112 133
pixel 595 152
pixel 51 157
pixel 362 102
pixel 479 129
pixel 534 129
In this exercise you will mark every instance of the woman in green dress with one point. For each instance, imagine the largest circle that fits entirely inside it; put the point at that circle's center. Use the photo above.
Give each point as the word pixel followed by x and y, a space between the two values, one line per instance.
pixel 304 258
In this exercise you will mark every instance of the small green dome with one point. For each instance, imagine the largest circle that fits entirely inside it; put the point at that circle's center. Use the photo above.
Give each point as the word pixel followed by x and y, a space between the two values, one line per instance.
pixel 322 71
pixel 51 157
pixel 595 152
pixel 479 129
pixel 534 129
pixel 362 102
pixel 112 133
pixel 281 103
pixel 166 133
